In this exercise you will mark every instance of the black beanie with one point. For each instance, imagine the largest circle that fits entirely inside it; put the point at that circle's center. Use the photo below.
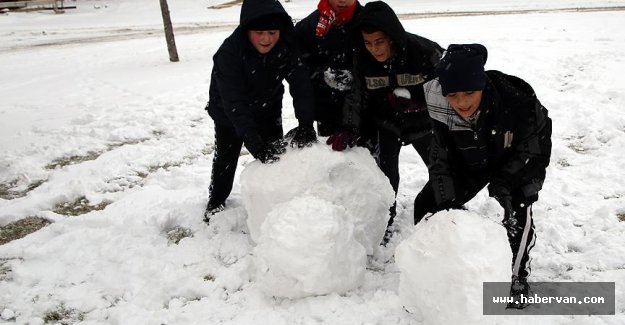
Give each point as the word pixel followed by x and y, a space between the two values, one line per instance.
pixel 267 22
pixel 462 68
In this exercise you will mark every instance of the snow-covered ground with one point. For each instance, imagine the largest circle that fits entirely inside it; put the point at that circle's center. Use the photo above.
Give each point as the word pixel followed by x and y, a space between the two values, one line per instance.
pixel 92 114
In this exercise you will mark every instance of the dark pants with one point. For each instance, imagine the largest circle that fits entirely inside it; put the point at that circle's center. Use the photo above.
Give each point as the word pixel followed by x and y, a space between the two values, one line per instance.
pixel 329 118
pixel 519 226
pixel 389 147
pixel 328 109
pixel 226 157
pixel 327 128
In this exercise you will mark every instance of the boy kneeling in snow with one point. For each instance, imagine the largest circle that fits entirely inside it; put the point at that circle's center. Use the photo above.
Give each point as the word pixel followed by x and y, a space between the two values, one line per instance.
pixel 489 128
pixel 246 94
pixel 386 102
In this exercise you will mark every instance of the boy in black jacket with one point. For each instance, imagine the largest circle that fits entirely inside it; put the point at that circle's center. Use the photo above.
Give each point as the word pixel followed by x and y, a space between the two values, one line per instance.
pixel 489 128
pixel 246 94
pixel 327 44
pixel 387 98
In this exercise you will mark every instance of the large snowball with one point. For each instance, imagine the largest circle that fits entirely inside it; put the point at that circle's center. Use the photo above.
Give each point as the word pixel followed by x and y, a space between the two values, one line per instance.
pixel 444 262
pixel 307 247
pixel 349 179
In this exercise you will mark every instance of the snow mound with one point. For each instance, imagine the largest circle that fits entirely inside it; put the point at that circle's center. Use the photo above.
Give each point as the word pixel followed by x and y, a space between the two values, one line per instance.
pixel 307 247
pixel 349 179
pixel 444 263
pixel 315 215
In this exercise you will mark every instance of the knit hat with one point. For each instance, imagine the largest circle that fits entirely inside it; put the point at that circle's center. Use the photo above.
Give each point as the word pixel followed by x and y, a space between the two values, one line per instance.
pixel 462 68
pixel 266 22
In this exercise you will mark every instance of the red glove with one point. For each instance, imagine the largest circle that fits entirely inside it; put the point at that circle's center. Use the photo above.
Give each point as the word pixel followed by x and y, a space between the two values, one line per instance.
pixel 341 140
pixel 402 104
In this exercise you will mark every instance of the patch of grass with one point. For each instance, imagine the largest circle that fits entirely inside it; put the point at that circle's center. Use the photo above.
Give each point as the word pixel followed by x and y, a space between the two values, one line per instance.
pixel 621 216
pixel 7 191
pixel 165 166
pixel 127 181
pixel 5 270
pixel 209 277
pixel 577 147
pixel 33 185
pixel 158 133
pixel 93 155
pixel 576 143
pixel 129 142
pixel 63 315
pixel 176 234
pixel 78 207
pixel 73 160
pixel 21 228
pixel 563 163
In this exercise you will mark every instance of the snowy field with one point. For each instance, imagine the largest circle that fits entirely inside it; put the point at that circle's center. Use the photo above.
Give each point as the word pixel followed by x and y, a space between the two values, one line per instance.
pixel 103 136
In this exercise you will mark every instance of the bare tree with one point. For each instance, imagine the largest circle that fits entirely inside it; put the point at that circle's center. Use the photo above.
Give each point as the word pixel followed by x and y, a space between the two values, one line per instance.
pixel 169 32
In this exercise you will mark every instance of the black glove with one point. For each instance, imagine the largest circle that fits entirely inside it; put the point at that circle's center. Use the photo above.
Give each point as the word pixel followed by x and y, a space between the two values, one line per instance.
pixel 500 191
pixel 270 151
pixel 302 136
pixel 266 152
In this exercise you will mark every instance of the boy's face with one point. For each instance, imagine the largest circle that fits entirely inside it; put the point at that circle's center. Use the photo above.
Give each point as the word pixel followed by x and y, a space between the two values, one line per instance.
pixel 339 5
pixel 379 45
pixel 465 103
pixel 264 40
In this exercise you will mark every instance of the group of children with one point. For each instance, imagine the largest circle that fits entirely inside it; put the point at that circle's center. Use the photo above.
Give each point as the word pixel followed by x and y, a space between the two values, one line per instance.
pixel 366 81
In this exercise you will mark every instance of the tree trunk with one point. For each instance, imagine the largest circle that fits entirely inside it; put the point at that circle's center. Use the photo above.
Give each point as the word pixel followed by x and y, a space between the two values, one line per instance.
pixel 169 32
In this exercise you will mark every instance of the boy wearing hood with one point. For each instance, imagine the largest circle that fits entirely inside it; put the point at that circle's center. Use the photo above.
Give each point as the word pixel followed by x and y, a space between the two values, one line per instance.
pixel 489 128
pixel 246 94
pixel 327 44
pixel 387 97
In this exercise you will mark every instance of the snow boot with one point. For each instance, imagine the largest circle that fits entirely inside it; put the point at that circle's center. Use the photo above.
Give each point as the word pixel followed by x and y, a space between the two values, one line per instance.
pixel 390 227
pixel 211 210
pixel 519 287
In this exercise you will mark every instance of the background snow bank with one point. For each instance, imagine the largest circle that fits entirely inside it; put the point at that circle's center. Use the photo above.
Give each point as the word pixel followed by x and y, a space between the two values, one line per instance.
pixel 349 179
pixel 444 262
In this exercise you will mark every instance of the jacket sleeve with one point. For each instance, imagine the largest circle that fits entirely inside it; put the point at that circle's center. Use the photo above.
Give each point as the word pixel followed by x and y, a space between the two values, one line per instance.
pixel 531 150
pixel 441 173
pixel 235 95
pixel 435 54
pixel 354 111
pixel 431 52
pixel 301 90
pixel 305 34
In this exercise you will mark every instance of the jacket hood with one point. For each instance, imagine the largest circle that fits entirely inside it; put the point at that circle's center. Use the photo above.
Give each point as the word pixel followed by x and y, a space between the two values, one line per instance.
pixel 380 16
pixel 253 9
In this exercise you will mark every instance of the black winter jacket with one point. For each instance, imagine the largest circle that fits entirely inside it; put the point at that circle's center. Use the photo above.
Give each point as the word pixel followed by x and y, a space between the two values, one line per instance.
pixel 246 87
pixel 510 143
pixel 335 50
pixel 412 66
